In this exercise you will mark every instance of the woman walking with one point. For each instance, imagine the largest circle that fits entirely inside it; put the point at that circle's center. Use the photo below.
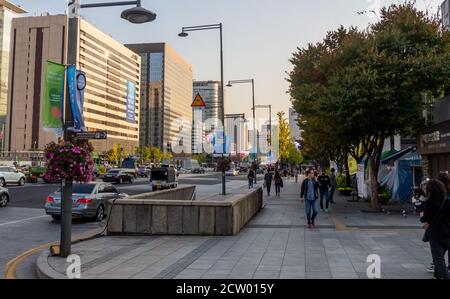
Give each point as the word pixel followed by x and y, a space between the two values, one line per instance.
pixel 278 183
pixel 436 219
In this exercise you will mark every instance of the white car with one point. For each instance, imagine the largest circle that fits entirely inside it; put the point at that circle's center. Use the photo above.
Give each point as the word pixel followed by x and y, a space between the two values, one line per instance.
pixel 10 175
pixel 232 172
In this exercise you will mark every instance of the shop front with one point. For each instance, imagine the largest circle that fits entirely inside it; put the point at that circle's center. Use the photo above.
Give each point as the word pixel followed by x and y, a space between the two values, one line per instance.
pixel 434 146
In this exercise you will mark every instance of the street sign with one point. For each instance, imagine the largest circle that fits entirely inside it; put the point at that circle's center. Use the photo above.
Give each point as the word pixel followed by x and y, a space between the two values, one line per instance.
pixel 91 135
pixel 198 102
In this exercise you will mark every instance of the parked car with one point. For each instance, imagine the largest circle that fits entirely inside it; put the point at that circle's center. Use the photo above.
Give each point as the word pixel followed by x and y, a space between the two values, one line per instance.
pixel 144 172
pixel 118 176
pixel 89 200
pixel 4 197
pixel 232 172
pixel 10 175
pixel 198 170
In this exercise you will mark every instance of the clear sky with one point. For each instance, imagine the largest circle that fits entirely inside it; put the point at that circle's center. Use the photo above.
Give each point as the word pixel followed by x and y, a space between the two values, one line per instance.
pixel 259 36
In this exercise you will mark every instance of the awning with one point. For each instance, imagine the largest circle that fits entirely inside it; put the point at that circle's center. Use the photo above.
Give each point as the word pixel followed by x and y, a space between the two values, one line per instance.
pixel 396 156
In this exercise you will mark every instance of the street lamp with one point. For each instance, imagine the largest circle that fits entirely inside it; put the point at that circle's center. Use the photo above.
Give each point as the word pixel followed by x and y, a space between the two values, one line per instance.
pixel 269 139
pixel 184 33
pixel 252 81
pixel 136 15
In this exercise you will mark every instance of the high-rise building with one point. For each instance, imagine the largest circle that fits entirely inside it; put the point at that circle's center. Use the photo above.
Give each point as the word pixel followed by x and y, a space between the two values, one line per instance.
pixel 109 67
pixel 236 130
pixel 211 115
pixel 293 124
pixel 166 98
pixel 8 11
pixel 445 13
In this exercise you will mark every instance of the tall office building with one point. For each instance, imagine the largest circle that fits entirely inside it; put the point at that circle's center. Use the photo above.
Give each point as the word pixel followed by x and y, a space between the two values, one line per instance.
pixel 293 124
pixel 211 115
pixel 236 129
pixel 109 67
pixel 166 113
pixel 445 13
pixel 8 11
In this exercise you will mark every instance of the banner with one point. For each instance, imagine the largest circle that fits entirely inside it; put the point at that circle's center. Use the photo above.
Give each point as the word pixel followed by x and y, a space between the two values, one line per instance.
pixel 76 81
pixel 131 102
pixel 53 96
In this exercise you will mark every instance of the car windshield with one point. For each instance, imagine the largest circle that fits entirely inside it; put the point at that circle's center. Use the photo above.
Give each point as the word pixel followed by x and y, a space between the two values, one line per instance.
pixel 82 188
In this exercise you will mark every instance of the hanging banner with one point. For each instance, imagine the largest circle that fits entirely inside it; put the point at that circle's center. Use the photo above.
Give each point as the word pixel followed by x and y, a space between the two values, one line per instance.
pixel 76 81
pixel 131 102
pixel 53 100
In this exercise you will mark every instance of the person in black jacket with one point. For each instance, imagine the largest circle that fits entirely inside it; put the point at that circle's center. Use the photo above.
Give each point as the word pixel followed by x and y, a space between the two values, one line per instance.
pixel 309 194
pixel 436 219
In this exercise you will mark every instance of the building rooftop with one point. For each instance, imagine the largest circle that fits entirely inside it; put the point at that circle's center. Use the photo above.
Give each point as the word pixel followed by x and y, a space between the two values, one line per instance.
pixel 11 6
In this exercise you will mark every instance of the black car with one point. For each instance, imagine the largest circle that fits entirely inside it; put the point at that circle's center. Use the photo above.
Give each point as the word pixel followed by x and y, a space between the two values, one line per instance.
pixel 118 176
pixel 199 170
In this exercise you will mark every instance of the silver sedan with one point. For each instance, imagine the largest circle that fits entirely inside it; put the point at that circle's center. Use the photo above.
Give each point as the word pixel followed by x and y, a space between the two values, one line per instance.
pixel 88 201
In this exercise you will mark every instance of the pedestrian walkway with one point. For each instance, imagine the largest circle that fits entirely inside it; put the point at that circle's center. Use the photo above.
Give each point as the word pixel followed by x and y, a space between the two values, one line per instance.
pixel 275 244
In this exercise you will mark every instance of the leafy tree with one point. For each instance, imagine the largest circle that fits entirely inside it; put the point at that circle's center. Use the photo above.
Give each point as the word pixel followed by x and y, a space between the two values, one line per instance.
pixel 356 88
pixel 284 136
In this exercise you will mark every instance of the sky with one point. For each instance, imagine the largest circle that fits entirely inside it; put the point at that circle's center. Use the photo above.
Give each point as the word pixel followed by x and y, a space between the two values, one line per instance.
pixel 259 36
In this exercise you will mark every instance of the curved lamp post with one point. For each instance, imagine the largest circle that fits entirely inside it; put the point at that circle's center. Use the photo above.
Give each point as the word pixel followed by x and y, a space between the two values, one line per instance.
pixel 135 15
pixel 184 33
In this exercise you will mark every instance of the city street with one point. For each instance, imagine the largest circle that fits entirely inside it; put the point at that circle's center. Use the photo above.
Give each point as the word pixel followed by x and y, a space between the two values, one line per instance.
pixel 24 225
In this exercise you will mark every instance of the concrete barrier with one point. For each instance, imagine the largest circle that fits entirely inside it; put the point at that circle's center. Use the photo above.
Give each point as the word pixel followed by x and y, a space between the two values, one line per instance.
pixel 216 215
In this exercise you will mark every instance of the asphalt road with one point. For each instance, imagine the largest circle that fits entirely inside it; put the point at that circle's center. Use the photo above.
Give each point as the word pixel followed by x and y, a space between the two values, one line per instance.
pixel 24 224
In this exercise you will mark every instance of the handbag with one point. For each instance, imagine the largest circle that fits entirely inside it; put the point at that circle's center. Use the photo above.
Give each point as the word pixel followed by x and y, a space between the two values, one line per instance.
pixel 426 237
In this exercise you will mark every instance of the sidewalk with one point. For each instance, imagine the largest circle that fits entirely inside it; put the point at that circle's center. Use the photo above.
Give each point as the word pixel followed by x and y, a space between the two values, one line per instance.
pixel 275 244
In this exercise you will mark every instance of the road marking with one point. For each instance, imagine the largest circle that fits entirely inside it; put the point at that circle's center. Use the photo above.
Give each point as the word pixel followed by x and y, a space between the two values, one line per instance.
pixel 22 220
pixel 11 266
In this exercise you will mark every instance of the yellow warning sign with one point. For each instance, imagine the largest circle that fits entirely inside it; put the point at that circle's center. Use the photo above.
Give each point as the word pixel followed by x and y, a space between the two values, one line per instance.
pixel 198 101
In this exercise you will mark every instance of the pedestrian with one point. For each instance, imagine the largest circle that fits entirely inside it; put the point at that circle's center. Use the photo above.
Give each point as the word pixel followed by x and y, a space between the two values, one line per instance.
pixel 309 195
pixel 324 186
pixel 278 183
pixel 296 171
pixel 251 178
pixel 333 184
pixel 268 177
pixel 445 179
pixel 436 219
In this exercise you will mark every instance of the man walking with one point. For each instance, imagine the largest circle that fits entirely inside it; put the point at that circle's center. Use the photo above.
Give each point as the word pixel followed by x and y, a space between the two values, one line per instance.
pixel 268 177
pixel 251 178
pixel 309 194
pixel 332 185
pixel 324 186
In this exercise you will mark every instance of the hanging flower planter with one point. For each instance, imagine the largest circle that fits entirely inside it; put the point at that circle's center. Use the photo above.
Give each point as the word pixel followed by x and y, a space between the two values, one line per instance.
pixel 69 161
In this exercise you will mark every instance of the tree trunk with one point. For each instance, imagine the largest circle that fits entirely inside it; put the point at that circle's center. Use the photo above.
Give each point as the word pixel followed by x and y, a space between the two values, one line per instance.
pixel 374 186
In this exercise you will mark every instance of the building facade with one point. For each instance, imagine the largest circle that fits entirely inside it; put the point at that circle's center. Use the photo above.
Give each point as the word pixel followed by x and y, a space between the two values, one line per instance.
pixel 166 113
pixel 109 67
pixel 293 124
pixel 210 116
pixel 8 11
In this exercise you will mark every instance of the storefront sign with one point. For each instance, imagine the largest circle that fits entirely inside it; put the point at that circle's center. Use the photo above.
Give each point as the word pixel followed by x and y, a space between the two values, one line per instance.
pixel 435 140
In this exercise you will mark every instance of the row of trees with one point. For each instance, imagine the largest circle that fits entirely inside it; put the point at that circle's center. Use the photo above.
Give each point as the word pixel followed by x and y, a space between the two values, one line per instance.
pixel 356 88
pixel 145 154
pixel 288 150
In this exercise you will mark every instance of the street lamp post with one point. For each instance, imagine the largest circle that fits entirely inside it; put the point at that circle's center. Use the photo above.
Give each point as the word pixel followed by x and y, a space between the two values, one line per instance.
pixel 252 81
pixel 136 15
pixel 184 33
pixel 269 139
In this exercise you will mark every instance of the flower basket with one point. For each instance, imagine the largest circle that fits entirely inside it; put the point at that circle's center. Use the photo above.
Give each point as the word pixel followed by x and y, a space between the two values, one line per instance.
pixel 69 161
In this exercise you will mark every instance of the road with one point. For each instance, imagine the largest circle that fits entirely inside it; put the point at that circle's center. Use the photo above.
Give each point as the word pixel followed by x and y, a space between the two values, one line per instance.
pixel 24 225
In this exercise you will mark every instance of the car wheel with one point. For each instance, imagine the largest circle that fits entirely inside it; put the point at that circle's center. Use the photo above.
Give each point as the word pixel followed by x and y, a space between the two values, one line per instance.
pixel 100 214
pixel 56 217
pixel 21 182
pixel 2 182
pixel 4 199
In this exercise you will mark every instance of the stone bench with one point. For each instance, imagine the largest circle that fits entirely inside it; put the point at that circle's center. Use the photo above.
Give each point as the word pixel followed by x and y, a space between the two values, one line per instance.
pixel 216 215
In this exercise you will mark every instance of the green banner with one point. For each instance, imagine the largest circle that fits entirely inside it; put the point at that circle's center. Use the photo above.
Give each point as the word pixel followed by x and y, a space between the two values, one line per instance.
pixel 53 95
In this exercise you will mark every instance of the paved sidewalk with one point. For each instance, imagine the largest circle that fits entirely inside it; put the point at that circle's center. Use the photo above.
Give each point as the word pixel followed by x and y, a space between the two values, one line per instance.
pixel 275 244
